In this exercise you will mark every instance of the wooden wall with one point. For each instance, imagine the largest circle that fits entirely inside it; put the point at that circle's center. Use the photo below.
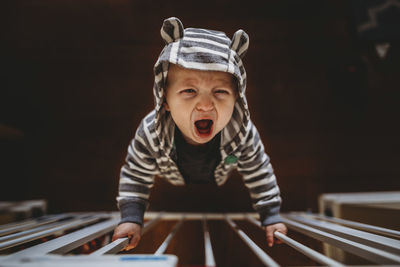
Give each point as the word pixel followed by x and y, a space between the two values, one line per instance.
pixel 79 79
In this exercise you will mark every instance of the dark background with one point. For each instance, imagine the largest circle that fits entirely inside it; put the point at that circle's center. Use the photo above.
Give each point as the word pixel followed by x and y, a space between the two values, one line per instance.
pixel 78 79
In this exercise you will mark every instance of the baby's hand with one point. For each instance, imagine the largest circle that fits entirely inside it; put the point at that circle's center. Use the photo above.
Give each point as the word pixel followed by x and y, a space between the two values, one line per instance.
pixel 130 230
pixel 270 229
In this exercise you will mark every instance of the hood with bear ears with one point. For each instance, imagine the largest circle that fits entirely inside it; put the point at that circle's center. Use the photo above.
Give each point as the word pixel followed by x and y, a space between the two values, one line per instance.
pixel 201 49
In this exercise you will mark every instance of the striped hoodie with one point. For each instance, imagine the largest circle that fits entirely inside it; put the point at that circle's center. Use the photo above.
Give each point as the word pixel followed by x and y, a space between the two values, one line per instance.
pixel 152 150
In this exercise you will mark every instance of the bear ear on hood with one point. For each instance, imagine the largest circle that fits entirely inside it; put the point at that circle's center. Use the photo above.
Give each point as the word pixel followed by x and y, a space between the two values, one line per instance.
pixel 172 30
pixel 240 43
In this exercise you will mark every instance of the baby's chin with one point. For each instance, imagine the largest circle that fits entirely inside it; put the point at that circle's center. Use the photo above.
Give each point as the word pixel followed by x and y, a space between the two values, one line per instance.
pixel 196 139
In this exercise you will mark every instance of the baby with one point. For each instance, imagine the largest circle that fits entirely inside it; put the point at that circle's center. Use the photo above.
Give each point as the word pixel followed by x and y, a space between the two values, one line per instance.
pixel 200 129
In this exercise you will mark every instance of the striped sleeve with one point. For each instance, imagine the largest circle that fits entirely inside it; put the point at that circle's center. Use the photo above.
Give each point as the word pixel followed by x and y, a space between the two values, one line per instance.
pixel 258 175
pixel 136 177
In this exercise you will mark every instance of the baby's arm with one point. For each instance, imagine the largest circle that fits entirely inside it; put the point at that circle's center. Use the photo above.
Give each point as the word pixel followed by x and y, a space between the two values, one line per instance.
pixel 136 179
pixel 259 178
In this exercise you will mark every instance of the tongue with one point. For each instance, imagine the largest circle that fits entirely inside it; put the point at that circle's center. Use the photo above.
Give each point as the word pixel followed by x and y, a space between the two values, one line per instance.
pixel 203 124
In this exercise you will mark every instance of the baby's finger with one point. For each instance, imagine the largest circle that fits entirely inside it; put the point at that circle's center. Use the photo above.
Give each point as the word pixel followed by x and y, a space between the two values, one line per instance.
pixel 270 238
pixel 128 247
pixel 133 242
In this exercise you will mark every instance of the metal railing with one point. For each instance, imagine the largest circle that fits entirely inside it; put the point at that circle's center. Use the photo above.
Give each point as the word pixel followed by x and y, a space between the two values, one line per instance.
pixel 378 245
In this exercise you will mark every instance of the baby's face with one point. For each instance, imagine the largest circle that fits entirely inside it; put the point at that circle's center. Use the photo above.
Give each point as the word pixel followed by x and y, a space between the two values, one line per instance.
pixel 201 102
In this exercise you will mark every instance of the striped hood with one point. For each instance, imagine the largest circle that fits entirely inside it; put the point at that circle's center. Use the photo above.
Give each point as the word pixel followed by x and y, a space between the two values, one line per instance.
pixel 201 49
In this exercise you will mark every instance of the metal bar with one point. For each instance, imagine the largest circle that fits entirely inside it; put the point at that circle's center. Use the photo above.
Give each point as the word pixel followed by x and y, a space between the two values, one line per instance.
pixel 112 248
pixel 198 216
pixel 315 255
pixel 150 224
pixel 312 254
pixel 208 251
pixel 166 242
pixel 34 236
pixel 117 245
pixel 40 228
pixel 373 240
pixel 264 257
pixel 16 224
pixel 70 241
pixel 6 229
pixel 358 225
pixel 367 252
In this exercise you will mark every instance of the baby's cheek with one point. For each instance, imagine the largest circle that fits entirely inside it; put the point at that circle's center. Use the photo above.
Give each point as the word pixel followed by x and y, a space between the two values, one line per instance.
pixel 226 118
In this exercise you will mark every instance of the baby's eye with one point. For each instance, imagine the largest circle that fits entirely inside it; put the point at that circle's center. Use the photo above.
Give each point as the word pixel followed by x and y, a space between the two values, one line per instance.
pixel 221 91
pixel 188 91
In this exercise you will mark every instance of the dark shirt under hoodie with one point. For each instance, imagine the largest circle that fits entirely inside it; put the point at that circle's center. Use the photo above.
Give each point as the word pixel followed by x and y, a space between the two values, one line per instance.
pixel 197 163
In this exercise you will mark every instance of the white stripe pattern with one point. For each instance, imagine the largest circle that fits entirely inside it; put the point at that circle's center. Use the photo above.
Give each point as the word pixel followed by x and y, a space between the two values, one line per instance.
pixel 133 194
pixel 264 181
pixel 257 173
pixel 211 34
pixel 255 166
pixel 176 28
pixel 166 36
pixel 270 192
pixel 173 58
pixel 195 49
pixel 206 41
pixel 125 180
pixel 129 168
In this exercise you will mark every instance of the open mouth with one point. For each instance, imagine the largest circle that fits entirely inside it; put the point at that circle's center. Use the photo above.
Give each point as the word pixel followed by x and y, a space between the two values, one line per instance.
pixel 204 127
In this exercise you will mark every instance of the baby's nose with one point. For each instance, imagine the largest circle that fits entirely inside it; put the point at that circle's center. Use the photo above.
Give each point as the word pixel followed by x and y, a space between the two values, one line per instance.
pixel 205 103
